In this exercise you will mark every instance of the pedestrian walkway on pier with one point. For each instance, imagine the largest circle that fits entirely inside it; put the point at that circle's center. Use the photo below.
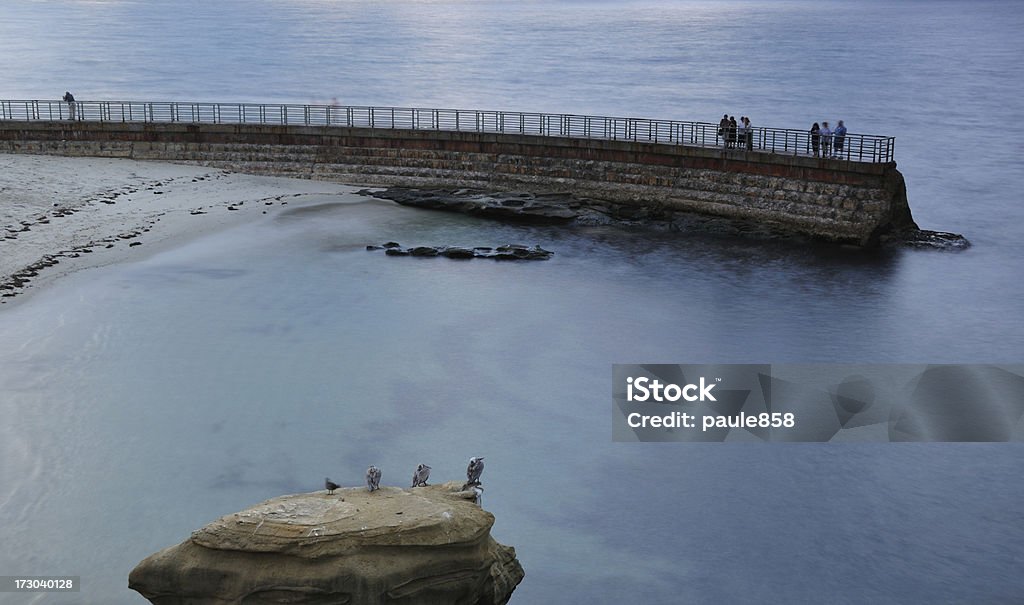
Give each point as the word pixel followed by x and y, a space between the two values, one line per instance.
pixel 780 141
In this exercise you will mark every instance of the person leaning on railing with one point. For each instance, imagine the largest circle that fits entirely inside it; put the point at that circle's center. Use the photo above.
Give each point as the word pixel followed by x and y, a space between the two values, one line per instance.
pixel 70 100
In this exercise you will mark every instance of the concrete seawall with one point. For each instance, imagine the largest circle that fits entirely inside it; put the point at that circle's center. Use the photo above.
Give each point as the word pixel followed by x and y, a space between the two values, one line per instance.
pixel 833 200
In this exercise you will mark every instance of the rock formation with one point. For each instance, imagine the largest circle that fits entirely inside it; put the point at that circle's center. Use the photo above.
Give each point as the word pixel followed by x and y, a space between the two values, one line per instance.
pixel 898 229
pixel 423 545
pixel 503 252
pixel 516 206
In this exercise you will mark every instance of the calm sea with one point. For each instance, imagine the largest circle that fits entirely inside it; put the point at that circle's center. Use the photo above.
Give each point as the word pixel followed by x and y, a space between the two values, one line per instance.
pixel 143 400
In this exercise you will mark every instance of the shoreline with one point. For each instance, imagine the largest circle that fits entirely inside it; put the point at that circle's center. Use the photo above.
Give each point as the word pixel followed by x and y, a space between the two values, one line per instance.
pixel 60 215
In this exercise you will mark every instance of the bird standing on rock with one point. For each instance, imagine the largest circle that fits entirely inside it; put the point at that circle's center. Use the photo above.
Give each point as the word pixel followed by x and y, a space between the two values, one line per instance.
pixel 330 486
pixel 373 478
pixel 474 470
pixel 419 478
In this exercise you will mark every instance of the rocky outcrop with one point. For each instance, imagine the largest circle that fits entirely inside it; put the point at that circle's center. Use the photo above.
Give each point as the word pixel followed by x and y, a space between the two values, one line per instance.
pixel 422 545
pixel 899 228
pixel 517 206
pixel 521 206
pixel 503 252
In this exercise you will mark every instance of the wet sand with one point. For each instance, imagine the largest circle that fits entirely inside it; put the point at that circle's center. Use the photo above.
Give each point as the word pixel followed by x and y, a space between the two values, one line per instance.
pixel 62 214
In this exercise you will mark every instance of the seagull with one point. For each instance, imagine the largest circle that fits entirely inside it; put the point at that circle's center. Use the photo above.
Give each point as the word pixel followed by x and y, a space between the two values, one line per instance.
pixel 474 470
pixel 330 486
pixel 373 478
pixel 419 478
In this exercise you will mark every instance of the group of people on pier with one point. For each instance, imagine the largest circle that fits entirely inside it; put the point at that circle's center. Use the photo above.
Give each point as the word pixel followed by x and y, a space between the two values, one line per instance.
pixel 736 135
pixel 826 141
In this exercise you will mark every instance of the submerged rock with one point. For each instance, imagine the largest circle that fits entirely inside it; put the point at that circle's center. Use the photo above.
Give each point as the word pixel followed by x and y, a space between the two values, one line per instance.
pixel 456 252
pixel 935 240
pixel 505 252
pixel 515 206
pixel 424 251
pixel 422 545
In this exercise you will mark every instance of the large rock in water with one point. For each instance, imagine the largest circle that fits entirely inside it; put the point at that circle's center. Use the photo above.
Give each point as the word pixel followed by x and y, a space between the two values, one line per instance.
pixel 422 545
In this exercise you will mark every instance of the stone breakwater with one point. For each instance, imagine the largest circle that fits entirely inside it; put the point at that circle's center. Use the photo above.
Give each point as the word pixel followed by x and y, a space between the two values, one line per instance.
pixel 572 210
pixel 832 200
pixel 425 545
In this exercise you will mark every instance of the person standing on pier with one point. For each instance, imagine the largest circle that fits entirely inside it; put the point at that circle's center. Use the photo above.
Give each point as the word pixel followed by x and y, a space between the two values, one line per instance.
pixel 749 133
pixel 723 130
pixel 70 100
pixel 826 140
pixel 840 138
pixel 815 138
pixel 732 131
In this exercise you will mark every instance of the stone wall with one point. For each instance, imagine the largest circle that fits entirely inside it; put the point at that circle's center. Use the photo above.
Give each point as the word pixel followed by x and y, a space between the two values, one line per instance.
pixel 835 200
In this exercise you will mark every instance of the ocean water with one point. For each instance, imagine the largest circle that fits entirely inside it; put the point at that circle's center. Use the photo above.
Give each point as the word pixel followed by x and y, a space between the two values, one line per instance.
pixel 143 400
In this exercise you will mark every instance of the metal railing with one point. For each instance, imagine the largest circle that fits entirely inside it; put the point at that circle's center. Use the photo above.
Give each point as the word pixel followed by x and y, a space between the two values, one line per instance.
pixel 854 147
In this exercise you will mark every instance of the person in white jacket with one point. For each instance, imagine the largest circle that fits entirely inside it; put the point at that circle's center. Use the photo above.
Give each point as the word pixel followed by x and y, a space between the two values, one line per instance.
pixel 826 140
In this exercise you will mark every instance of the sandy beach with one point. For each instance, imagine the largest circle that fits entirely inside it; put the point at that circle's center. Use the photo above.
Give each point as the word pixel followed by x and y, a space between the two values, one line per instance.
pixel 62 214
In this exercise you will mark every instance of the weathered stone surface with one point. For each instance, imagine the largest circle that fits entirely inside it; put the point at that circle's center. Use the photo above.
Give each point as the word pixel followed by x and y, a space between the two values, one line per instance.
pixel 515 206
pixel 846 202
pixel 423 251
pixel 761 222
pixel 505 252
pixel 457 252
pixel 422 545
pixel 935 240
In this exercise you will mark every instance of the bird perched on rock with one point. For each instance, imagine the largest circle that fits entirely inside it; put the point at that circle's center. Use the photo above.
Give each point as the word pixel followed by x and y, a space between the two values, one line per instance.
pixel 373 478
pixel 419 478
pixel 474 470
pixel 330 486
